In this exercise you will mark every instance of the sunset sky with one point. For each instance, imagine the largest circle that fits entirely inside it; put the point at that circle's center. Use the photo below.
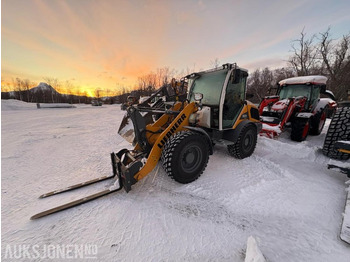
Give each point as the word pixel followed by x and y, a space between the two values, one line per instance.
pixel 110 43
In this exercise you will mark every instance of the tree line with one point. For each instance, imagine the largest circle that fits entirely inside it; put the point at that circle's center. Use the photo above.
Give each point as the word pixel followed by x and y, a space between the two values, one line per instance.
pixel 56 91
pixel 315 55
pixel 46 92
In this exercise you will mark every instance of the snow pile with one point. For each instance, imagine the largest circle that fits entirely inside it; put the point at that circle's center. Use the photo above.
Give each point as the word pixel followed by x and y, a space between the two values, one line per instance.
pixel 253 253
pixel 12 104
pixel 315 79
pixel 271 128
pixel 345 230
pixel 283 195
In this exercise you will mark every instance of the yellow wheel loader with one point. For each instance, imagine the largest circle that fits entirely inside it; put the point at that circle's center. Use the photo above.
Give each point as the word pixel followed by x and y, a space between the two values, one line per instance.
pixel 183 137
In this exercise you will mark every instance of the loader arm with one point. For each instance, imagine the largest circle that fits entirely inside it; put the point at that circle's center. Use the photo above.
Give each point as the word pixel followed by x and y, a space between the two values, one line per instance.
pixel 132 166
pixel 177 125
pixel 293 103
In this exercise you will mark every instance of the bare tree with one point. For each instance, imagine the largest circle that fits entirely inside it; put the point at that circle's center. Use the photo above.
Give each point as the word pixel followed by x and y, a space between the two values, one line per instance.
pixel 304 55
pixel 259 83
pixel 283 73
pixel 26 86
pixel 18 88
pixel 78 93
pixel 215 63
pixel 336 60
pixel 164 75
pixel 147 83
pixel 69 90
pixel 55 84
pixel 85 97
pixel 328 57
pixel 98 93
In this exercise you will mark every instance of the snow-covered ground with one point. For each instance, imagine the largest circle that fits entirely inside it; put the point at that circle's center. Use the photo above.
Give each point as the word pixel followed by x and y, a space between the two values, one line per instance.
pixel 283 195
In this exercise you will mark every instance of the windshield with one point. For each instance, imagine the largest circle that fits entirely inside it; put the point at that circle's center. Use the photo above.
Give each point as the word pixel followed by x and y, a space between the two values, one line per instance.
pixel 295 90
pixel 210 85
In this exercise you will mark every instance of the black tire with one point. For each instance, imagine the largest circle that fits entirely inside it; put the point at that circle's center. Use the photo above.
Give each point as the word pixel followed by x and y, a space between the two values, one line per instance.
pixel 339 129
pixel 185 156
pixel 245 144
pixel 300 129
pixel 318 121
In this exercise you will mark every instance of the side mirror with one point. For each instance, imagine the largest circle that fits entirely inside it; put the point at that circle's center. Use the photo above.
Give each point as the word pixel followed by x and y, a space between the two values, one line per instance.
pixel 330 94
pixel 198 97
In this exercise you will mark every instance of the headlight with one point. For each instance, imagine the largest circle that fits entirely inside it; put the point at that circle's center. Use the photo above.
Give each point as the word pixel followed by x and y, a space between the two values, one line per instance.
pixel 244 116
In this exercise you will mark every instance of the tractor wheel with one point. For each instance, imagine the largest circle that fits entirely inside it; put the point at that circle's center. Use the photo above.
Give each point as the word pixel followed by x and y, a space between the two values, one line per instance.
pixel 318 121
pixel 300 129
pixel 185 156
pixel 339 129
pixel 245 144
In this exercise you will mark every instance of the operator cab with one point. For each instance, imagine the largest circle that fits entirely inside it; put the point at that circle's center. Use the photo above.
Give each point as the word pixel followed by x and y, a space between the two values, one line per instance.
pixel 220 106
pixel 304 86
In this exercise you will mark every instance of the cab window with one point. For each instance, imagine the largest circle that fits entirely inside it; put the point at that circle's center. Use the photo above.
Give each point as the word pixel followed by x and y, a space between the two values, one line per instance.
pixel 233 104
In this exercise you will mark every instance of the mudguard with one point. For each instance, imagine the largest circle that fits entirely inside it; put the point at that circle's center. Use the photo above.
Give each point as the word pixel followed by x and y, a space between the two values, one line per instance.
pixel 323 103
pixel 232 134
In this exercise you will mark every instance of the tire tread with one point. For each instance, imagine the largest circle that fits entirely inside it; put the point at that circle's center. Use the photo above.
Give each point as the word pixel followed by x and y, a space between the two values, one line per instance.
pixel 339 129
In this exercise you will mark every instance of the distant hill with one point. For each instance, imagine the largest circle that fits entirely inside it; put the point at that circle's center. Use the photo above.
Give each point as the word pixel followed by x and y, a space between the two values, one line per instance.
pixel 43 87
pixel 45 93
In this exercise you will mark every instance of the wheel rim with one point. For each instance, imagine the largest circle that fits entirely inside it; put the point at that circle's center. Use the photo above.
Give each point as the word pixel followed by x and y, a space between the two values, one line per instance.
pixel 306 130
pixel 191 158
pixel 322 121
pixel 248 141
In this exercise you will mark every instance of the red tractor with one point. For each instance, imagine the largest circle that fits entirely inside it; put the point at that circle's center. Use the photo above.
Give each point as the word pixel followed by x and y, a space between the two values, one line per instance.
pixel 297 104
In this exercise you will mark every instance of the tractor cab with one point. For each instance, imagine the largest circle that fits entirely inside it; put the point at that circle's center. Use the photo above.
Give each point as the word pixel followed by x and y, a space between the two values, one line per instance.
pixel 223 91
pixel 308 87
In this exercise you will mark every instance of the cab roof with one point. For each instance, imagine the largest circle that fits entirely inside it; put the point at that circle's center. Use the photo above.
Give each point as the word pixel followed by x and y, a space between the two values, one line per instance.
pixel 224 66
pixel 302 80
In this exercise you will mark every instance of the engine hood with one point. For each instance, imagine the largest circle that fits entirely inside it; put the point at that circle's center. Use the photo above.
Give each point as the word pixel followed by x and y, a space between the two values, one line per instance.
pixel 280 105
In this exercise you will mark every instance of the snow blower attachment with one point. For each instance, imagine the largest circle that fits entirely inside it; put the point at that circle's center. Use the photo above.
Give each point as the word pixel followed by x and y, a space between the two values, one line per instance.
pixel 183 134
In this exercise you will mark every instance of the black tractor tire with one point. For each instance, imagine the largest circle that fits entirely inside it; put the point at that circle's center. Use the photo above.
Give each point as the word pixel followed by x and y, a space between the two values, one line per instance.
pixel 245 144
pixel 339 129
pixel 317 122
pixel 300 129
pixel 185 156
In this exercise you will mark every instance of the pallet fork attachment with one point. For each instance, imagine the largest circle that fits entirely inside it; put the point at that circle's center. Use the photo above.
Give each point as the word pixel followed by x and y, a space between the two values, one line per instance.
pixel 124 179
